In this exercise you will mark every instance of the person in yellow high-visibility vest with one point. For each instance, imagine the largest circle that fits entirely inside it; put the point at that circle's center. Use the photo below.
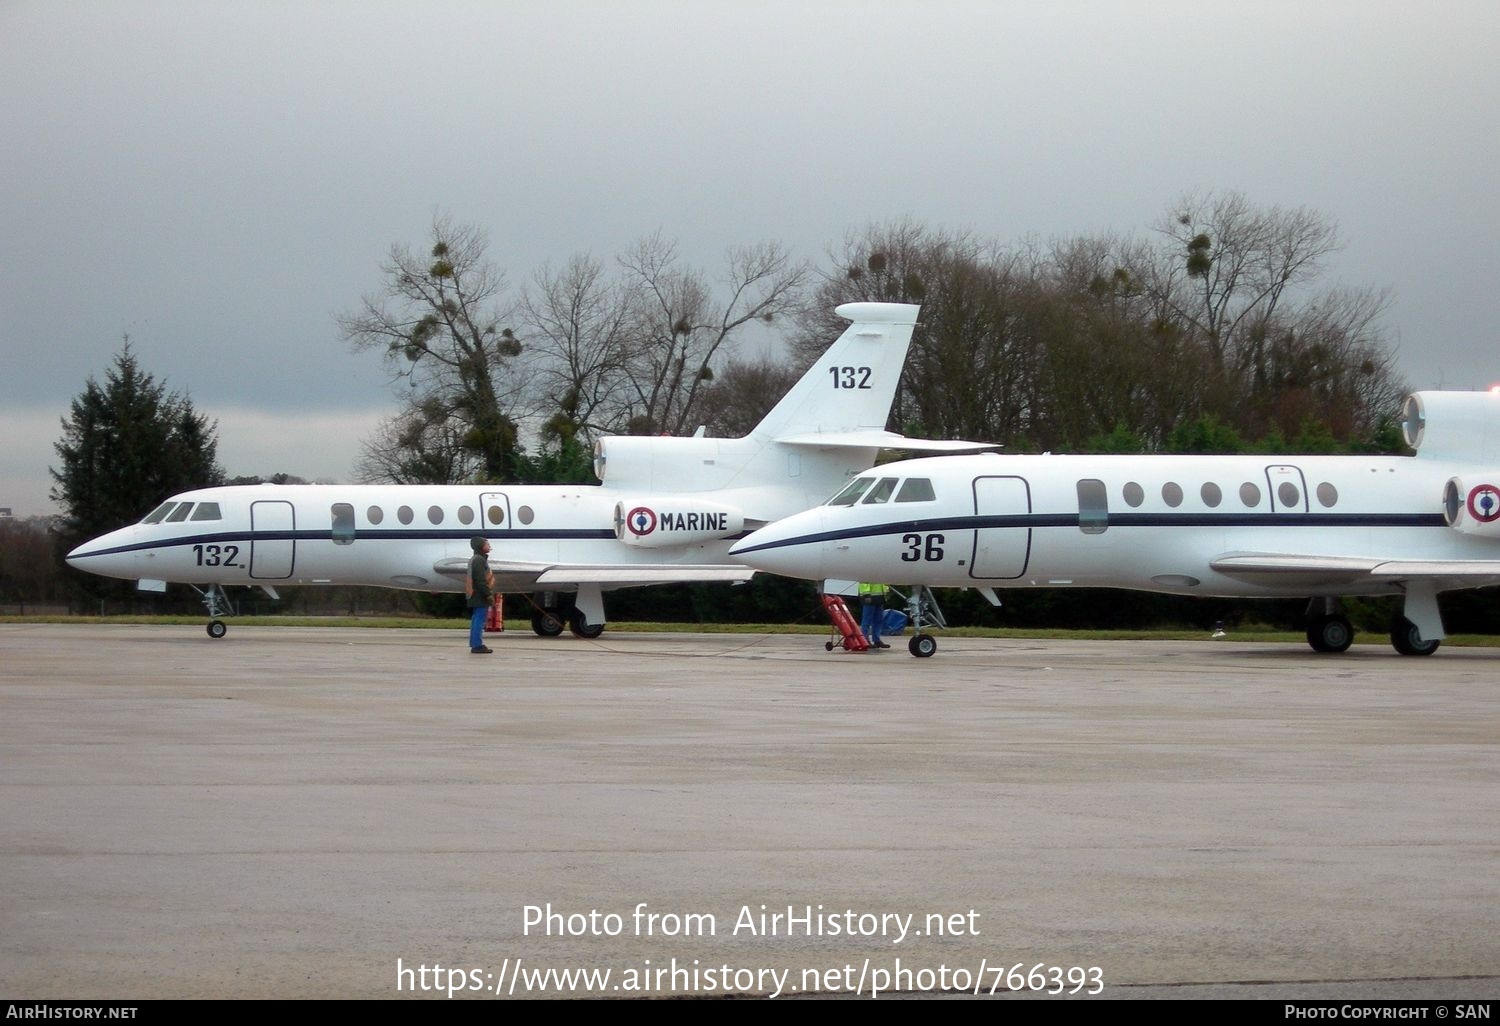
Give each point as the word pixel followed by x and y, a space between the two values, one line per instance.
pixel 872 612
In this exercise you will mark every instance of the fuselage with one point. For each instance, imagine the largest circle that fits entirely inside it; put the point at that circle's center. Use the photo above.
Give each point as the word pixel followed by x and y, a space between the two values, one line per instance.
pixel 396 536
pixel 1155 523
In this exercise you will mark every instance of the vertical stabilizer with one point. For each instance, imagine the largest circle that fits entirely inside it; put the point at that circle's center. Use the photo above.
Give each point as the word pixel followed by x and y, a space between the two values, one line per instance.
pixel 853 384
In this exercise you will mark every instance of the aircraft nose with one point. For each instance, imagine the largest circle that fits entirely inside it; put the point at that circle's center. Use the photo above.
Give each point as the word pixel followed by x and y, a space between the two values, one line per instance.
pixel 789 547
pixel 108 555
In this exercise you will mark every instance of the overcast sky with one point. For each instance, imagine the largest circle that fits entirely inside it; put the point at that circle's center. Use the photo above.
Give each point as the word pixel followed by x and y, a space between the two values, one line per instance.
pixel 221 181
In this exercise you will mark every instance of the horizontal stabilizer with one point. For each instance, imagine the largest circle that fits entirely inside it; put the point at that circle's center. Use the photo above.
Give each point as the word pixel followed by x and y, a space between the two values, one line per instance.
pixel 871 439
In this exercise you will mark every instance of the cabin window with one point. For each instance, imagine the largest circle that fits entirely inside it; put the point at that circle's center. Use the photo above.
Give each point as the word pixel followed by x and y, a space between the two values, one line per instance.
pixel 158 514
pixel 374 514
pixel 916 489
pixel 434 515
pixel 1093 506
pixel 1328 495
pixel 404 514
pixel 207 511
pixel 1288 494
pixel 525 514
pixel 496 514
pixel 1134 495
pixel 1211 494
pixel 1250 495
pixel 465 515
pixel 1171 494
pixel 180 513
pixel 852 491
pixel 343 523
pixel 883 491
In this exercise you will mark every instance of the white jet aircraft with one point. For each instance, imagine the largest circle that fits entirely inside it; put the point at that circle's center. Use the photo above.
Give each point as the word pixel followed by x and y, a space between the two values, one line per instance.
pixel 667 511
pixel 1261 526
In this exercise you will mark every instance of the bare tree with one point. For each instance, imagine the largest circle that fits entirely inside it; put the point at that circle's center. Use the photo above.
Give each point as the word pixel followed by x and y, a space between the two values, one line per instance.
pixel 1241 283
pixel 577 327
pixel 680 327
pixel 439 324
pixel 1229 266
pixel 739 397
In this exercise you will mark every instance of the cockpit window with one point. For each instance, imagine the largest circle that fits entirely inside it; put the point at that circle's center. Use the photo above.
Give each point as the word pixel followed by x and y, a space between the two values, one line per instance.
pixel 882 492
pixel 180 513
pixel 851 493
pixel 207 511
pixel 158 514
pixel 916 489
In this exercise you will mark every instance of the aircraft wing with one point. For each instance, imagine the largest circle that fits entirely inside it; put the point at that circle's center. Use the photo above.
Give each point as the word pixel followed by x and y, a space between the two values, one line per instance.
pixel 1267 568
pixel 874 439
pixel 511 573
pixel 645 573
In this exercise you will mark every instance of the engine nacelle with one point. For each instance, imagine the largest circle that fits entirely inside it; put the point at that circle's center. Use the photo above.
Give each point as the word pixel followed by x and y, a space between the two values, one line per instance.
pixel 669 464
pixel 1452 425
pixel 665 521
pixel 1473 507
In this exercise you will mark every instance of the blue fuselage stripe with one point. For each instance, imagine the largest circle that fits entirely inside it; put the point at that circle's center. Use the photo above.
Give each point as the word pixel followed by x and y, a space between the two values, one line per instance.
pixel 1172 520
pixel 426 534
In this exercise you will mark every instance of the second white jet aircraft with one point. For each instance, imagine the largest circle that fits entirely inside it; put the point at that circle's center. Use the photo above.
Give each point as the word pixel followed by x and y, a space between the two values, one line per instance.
pixel 1319 527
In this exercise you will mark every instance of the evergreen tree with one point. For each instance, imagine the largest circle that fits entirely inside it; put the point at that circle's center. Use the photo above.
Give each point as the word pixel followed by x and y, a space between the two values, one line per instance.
pixel 126 446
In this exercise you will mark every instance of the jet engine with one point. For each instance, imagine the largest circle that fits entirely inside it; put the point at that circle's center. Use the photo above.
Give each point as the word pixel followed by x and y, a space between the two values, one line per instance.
pixel 1452 425
pixel 1473 506
pixel 666 521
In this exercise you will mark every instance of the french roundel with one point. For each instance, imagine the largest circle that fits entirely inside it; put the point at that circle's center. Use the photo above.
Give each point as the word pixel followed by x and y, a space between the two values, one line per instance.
pixel 641 520
pixel 1484 503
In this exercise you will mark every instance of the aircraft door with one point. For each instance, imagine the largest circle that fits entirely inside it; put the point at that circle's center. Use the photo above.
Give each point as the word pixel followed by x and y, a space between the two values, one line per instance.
pixel 494 512
pixel 1288 489
pixel 1001 549
pixel 273 540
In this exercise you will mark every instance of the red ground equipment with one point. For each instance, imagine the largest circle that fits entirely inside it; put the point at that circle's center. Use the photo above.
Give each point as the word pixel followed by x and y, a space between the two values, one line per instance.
pixel 844 625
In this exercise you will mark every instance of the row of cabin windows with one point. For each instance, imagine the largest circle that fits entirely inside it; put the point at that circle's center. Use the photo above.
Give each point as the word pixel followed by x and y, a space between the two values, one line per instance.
pixel 343 515
pixel 1093 498
pixel 344 525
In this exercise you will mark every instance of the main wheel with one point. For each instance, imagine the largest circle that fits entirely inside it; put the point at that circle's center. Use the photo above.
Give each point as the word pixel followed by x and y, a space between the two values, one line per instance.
pixel 217 629
pixel 922 645
pixel 1406 639
pixel 1330 633
pixel 547 623
pixel 581 627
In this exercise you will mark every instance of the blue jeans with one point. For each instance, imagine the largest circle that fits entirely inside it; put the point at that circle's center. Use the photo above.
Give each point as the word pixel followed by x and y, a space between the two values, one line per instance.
pixel 871 620
pixel 477 617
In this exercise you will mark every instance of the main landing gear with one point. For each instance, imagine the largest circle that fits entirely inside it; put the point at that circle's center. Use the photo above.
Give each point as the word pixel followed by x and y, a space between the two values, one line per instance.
pixel 548 619
pixel 1330 633
pixel 1329 630
pixel 1406 639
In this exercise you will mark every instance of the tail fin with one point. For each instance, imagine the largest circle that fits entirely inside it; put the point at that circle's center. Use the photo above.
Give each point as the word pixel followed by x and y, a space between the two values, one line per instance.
pixel 853 384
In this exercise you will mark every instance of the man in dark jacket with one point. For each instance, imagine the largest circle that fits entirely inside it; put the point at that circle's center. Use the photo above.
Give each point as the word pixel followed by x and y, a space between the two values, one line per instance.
pixel 480 587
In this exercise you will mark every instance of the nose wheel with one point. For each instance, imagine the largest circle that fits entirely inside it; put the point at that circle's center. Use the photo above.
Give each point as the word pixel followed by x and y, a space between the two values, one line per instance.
pixel 922 645
pixel 217 603
pixel 922 613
